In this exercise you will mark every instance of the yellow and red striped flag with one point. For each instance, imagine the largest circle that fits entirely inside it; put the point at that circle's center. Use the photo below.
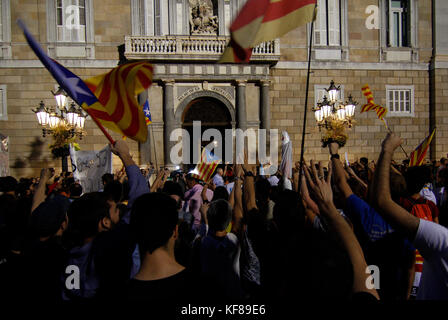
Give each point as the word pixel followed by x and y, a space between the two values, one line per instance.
pixel 418 155
pixel 118 108
pixel 371 105
pixel 264 20
pixel 205 168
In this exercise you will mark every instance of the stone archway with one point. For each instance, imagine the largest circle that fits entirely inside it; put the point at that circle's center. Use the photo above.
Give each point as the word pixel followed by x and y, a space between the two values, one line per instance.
pixel 212 114
pixel 178 116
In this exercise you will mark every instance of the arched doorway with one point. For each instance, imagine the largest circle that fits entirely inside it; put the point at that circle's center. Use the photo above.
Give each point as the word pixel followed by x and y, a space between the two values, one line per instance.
pixel 212 113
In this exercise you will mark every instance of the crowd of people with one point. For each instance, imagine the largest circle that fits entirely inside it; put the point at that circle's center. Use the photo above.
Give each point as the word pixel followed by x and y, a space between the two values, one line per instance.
pixel 365 231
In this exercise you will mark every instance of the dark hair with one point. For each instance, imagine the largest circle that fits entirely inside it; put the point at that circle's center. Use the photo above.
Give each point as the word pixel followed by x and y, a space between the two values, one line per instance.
pixel 114 189
pixel 8 184
pixel 262 189
pixel 191 177
pixel 288 212
pixel 84 214
pixel 75 190
pixel 443 175
pixel 416 177
pixel 153 219
pixel 364 161
pixel 219 215
pixel 173 188
pixel 107 178
pixel 397 186
pixel 220 193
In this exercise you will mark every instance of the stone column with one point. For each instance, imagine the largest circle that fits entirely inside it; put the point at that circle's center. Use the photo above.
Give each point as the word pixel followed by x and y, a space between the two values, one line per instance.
pixel 265 107
pixel 168 118
pixel 241 117
pixel 145 148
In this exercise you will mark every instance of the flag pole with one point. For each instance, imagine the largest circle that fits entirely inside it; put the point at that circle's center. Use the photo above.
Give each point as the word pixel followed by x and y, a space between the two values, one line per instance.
pixel 154 147
pixel 108 136
pixel 306 98
pixel 390 131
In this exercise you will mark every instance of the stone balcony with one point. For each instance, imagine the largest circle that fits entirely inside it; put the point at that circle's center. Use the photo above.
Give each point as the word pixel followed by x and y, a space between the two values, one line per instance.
pixel 192 49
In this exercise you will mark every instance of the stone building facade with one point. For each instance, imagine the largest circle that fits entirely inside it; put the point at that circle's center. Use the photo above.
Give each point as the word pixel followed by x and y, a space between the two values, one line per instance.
pixel 398 47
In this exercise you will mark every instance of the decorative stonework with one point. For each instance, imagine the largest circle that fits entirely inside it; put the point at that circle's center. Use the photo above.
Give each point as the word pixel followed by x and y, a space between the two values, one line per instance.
pixel 202 19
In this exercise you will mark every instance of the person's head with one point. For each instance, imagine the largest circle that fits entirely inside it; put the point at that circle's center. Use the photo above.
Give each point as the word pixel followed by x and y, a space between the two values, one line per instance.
pixel 397 186
pixel 443 176
pixel 220 193
pixel 219 215
pixel 288 212
pixel 94 212
pixel 114 190
pixel 154 220
pixel 262 190
pixel 107 178
pixel 75 190
pixel 219 171
pixel 416 177
pixel 174 190
pixel 364 161
pixel 23 188
pixel 191 180
pixel 50 217
pixel 8 185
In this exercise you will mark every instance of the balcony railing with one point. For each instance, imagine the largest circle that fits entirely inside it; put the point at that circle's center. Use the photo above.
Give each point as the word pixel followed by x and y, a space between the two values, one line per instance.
pixel 200 48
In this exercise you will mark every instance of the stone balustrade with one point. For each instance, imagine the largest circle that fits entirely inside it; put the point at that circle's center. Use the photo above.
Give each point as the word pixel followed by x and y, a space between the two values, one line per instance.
pixel 208 48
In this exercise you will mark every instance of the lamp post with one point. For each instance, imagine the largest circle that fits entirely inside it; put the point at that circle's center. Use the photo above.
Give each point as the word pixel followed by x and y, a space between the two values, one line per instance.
pixel 64 124
pixel 334 116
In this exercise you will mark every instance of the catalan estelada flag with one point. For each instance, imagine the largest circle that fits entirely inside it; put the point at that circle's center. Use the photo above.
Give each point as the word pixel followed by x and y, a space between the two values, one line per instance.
pixel 206 166
pixel 147 113
pixel 371 105
pixel 264 20
pixel 418 155
pixel 109 98
pixel 116 91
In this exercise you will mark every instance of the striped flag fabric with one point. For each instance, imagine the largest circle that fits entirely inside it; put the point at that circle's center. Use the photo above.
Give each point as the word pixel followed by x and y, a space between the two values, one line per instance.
pixel 418 155
pixel 206 166
pixel 264 20
pixel 109 98
pixel 371 105
pixel 116 91
pixel 147 113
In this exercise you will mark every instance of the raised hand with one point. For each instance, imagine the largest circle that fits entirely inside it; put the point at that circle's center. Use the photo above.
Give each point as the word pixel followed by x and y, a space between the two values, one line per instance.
pixel 391 142
pixel 319 186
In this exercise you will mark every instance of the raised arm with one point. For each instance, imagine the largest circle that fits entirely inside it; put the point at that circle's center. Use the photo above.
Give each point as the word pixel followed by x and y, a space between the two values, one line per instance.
pixel 398 217
pixel 321 189
pixel 137 182
pixel 339 172
pixel 39 194
pixel 237 226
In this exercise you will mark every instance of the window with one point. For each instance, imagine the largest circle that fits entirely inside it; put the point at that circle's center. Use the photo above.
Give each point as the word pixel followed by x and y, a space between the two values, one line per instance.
pixel 70 31
pixel 328 23
pixel 398 30
pixel 5 29
pixel 1 22
pixel 400 100
pixel 3 106
pixel 71 20
pixel 320 91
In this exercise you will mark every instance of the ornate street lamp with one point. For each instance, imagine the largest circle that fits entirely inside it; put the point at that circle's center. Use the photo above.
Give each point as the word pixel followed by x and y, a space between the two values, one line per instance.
pixel 65 125
pixel 333 115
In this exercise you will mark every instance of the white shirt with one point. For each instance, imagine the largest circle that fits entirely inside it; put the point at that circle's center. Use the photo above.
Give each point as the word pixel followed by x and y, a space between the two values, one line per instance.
pixel 432 243
pixel 273 180
pixel 427 194
pixel 218 180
